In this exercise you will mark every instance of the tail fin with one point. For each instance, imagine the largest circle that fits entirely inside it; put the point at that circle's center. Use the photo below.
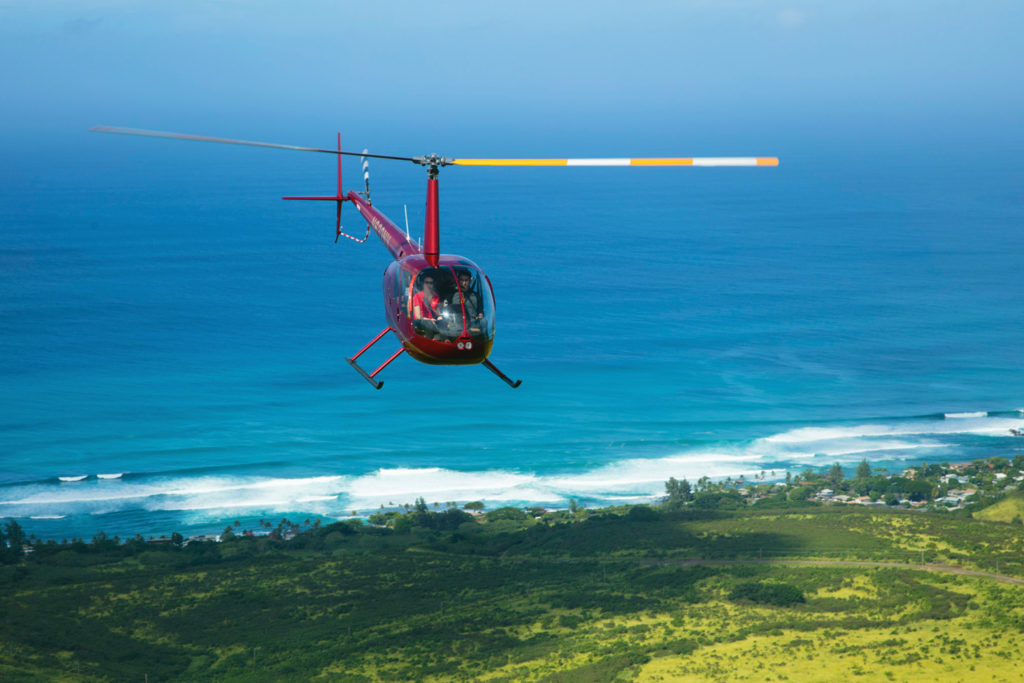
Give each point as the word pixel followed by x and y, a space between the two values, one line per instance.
pixel 339 198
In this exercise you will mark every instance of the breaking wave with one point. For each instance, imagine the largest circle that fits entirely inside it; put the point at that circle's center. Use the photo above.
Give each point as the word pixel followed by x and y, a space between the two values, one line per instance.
pixel 211 494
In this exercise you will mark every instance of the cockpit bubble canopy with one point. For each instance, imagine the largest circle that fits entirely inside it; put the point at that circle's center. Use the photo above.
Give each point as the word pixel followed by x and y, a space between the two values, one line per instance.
pixel 451 303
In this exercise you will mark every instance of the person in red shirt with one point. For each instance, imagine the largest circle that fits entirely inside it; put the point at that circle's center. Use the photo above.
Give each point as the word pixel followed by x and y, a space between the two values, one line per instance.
pixel 426 302
pixel 426 308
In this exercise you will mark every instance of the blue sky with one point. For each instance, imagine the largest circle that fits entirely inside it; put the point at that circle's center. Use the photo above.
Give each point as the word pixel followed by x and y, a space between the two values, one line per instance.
pixel 470 78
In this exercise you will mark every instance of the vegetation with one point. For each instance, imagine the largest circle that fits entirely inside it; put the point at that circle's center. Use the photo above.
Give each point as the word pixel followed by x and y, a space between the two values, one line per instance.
pixel 705 586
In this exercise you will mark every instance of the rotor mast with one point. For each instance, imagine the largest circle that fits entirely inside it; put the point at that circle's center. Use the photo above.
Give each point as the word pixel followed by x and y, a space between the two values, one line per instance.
pixel 432 222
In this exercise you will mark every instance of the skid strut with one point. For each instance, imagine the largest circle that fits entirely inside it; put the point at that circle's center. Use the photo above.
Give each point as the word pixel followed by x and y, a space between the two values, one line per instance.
pixel 490 366
pixel 369 377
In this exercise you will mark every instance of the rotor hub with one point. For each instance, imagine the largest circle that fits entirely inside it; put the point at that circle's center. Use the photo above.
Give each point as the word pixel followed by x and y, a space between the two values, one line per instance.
pixel 433 162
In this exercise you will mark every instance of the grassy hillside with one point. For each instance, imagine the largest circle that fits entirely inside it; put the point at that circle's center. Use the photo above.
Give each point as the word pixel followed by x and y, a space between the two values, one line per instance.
pixel 630 594
pixel 1009 509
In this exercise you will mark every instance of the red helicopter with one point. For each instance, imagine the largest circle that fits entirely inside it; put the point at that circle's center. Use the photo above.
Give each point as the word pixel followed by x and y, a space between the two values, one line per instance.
pixel 440 306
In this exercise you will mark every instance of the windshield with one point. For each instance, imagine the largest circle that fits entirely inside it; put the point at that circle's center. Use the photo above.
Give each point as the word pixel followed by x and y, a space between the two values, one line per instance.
pixel 451 303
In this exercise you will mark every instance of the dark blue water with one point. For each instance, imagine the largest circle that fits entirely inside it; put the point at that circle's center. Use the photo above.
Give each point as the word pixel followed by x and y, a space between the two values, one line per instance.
pixel 166 318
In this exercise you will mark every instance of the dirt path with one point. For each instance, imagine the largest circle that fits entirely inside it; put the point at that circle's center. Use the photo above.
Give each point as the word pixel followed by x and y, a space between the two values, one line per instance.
pixel 942 568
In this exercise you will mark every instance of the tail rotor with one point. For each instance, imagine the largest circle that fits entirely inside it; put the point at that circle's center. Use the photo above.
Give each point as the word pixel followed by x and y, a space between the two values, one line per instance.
pixel 340 197
pixel 366 176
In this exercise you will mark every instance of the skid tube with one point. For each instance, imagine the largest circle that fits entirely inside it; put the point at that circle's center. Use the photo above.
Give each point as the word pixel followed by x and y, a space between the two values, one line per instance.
pixel 369 377
pixel 490 366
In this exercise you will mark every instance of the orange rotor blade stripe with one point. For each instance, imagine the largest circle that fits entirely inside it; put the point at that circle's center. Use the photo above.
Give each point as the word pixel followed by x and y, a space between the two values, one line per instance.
pixel 661 162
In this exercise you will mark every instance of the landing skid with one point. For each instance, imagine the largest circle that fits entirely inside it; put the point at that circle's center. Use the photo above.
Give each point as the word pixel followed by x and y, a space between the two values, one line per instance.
pixel 369 376
pixel 490 366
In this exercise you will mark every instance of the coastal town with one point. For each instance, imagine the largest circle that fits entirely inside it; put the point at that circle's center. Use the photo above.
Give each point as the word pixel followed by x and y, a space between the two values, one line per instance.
pixel 942 487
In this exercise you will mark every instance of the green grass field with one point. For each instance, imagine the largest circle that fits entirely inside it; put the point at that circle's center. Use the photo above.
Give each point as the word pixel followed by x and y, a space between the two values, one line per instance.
pixel 615 595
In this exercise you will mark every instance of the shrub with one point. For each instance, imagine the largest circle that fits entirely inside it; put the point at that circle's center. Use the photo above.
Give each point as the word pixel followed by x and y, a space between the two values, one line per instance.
pixel 510 513
pixel 778 594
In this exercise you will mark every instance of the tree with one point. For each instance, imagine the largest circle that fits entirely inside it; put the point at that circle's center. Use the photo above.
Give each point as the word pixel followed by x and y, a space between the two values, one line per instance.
pixel 12 538
pixel 835 475
pixel 573 506
pixel 800 493
pixel 678 492
pixel 421 505
pixel 863 469
pixel 473 505
pixel 718 500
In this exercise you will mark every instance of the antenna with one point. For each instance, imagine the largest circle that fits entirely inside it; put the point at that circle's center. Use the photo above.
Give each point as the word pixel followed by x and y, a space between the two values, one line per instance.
pixel 406 207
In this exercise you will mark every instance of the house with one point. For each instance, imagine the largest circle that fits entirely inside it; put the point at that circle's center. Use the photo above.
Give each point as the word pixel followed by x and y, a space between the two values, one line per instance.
pixel 203 538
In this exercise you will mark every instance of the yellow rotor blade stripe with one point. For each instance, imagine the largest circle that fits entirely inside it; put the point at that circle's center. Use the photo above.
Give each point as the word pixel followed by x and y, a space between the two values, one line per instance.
pixel 511 162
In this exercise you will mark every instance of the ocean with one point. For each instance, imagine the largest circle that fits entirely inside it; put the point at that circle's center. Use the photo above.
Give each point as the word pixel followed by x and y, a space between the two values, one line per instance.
pixel 173 336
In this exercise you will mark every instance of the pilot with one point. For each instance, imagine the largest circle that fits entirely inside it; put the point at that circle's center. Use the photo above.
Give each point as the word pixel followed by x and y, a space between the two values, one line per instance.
pixel 471 300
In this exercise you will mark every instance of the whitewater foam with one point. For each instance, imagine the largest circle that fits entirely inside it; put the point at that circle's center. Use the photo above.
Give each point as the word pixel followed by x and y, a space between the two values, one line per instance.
pixel 630 479
pixel 974 423
pixel 170 494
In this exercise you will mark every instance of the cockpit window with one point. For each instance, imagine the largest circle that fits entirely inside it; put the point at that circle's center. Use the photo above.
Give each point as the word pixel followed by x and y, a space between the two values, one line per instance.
pixel 452 302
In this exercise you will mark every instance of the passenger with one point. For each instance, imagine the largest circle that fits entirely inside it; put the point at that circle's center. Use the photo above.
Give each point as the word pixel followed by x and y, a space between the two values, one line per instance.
pixel 426 303
pixel 426 308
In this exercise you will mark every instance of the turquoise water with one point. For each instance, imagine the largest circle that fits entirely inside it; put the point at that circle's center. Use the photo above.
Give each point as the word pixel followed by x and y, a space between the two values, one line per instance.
pixel 166 318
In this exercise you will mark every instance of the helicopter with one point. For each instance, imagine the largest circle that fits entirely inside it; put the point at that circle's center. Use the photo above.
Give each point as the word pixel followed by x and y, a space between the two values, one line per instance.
pixel 440 306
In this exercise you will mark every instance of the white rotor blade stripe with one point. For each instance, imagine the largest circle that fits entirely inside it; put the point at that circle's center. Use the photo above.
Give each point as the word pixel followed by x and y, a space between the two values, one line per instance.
pixel 597 162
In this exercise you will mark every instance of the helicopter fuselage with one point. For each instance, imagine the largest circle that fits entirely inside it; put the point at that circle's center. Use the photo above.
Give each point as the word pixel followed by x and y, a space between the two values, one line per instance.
pixel 440 306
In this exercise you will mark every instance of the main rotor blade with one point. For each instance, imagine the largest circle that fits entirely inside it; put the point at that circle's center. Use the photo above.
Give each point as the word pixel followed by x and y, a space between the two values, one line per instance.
pixel 687 161
pixel 203 138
